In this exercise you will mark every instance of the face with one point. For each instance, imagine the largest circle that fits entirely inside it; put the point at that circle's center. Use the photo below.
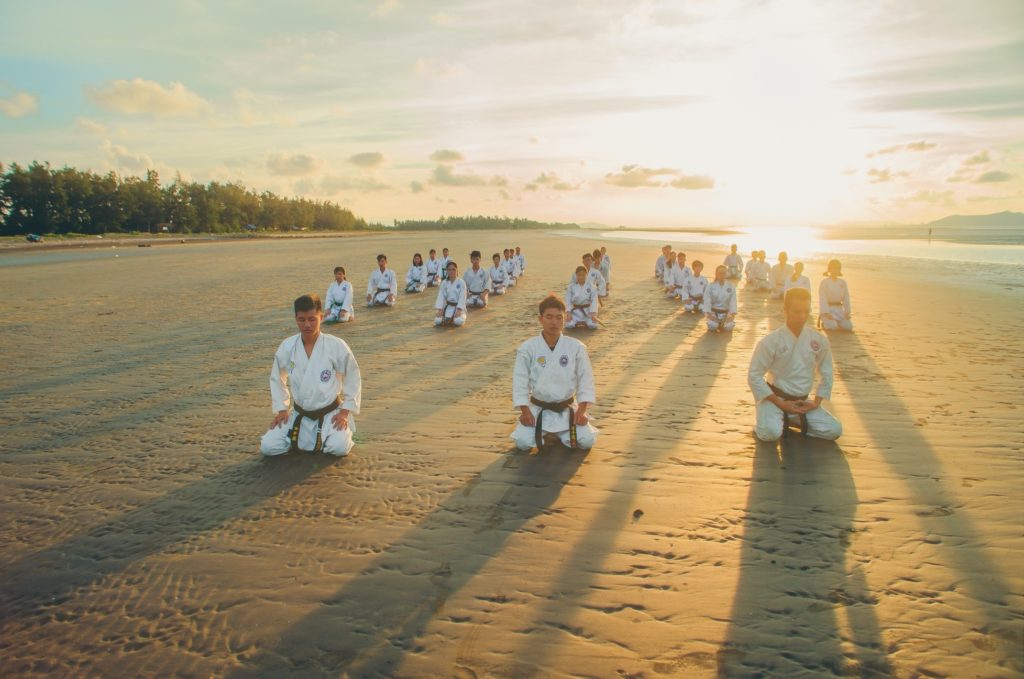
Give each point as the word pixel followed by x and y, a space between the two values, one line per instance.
pixel 308 323
pixel 452 271
pixel 475 260
pixel 445 251
pixel 382 263
pixel 497 260
pixel 581 276
pixel 552 321
pixel 517 251
pixel 339 276
pixel 417 260
pixel 720 274
pixel 798 268
pixel 697 268
pixel 797 312
pixel 782 258
pixel 682 261
pixel 588 261
pixel 433 255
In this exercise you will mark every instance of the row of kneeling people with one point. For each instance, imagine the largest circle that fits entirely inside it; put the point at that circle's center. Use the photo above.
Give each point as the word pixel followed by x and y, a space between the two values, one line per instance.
pixel 681 282
pixel 454 295
pixel 588 286
pixel 316 385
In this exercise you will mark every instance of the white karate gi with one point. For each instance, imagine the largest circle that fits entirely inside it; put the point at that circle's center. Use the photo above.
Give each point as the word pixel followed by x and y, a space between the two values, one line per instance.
pixel 760 273
pixel 314 382
pixel 779 274
pixel 416 278
pixel 676 279
pixel 498 279
pixel 581 301
pixel 659 268
pixel 734 265
pixel 606 270
pixel 511 270
pixel 791 362
pixel 552 376
pixel 720 302
pixel 433 267
pixel 521 262
pixel 477 283
pixel 801 282
pixel 595 278
pixel 444 267
pixel 380 286
pixel 338 303
pixel 451 297
pixel 834 298
pixel 693 293
pixel 749 271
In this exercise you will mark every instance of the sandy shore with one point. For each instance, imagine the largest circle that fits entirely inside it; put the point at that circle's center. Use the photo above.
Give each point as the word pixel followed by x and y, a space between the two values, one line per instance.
pixel 143 535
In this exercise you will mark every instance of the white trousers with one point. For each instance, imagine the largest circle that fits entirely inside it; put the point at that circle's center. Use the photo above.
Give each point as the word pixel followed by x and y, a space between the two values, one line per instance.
pixel 338 315
pixel 380 299
pixel 838 320
pixel 778 293
pixel 820 423
pixel 577 316
pixel 717 321
pixel 525 437
pixel 416 286
pixel 335 441
pixel 476 300
pixel 692 304
pixel 755 284
pixel 733 272
pixel 449 314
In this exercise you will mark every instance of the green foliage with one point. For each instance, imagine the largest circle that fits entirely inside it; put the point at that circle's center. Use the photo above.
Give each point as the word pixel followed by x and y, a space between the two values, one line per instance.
pixel 38 199
pixel 478 223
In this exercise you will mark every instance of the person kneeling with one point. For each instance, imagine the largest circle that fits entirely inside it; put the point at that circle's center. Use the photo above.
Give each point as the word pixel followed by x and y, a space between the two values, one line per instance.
pixel 338 303
pixel 451 298
pixel 581 301
pixel 317 375
pixel 694 289
pixel 790 356
pixel 720 302
pixel 553 385
pixel 477 282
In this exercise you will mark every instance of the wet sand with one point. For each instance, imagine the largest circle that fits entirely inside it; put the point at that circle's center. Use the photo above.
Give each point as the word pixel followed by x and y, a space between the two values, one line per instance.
pixel 142 534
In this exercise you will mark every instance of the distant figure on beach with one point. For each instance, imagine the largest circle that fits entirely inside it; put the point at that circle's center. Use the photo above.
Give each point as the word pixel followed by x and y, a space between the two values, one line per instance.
pixel 733 263
pixel 761 272
pixel 676 279
pixel 581 301
pixel 339 298
pixel 594 276
pixel 382 289
pixel 477 282
pixel 451 299
pixel 602 264
pixel 499 279
pixel 416 277
pixel 750 269
pixel 659 265
pixel 445 258
pixel 433 267
pixel 720 302
pixel 317 377
pixel 520 261
pixel 779 273
pixel 511 267
pixel 605 255
pixel 553 385
pixel 797 279
pixel 789 357
pixel 834 306
pixel 694 288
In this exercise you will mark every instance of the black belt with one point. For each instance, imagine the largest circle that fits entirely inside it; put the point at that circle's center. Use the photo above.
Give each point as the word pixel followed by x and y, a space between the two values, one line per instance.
pixel 785 418
pixel 474 292
pixel 558 407
pixel 699 298
pixel 720 311
pixel 580 306
pixel 318 415
pixel 444 312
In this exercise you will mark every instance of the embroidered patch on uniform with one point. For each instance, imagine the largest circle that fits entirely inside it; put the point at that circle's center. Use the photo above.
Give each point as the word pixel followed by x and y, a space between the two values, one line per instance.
pixel 815 346
pixel 728 289
pixel 541 360
pixel 291 366
pixel 325 376
pixel 563 361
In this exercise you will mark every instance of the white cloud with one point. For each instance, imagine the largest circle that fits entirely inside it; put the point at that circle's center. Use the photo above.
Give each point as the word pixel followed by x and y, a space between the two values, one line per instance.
pixel 122 159
pixel 883 175
pixel 90 127
pixel 993 176
pixel 693 182
pixel 550 180
pixel 17 104
pixel 145 96
pixel 444 175
pixel 386 8
pixel 915 146
pixel 334 184
pixel 294 165
pixel 367 160
pixel 446 156
pixel 635 176
pixel 980 158
pixel 417 187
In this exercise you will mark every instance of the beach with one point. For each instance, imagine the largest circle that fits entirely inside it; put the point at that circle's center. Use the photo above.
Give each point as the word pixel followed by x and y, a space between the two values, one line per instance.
pixel 142 534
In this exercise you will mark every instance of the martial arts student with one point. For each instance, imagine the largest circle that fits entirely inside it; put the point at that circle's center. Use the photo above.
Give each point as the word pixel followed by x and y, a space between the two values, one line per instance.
pixel 339 299
pixel 789 357
pixel 720 302
pixel 316 376
pixel 733 263
pixel 581 301
pixel 511 267
pixel 750 269
pixel 605 255
pixel 478 282
pixel 594 276
pixel 761 273
pixel 659 265
pixel 520 261
pixel 834 299
pixel 445 258
pixel 602 264
pixel 499 279
pixel 433 266
pixel 451 298
pixel 416 277
pixel 676 278
pixel 693 290
pixel 798 279
pixel 553 385
pixel 383 286
pixel 779 273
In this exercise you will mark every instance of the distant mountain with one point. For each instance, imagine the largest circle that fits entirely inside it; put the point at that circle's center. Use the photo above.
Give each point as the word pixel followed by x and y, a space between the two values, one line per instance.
pixel 996 219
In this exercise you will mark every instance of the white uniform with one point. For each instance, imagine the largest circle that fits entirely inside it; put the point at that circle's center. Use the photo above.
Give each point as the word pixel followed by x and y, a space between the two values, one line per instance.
pixel 676 279
pixel 433 267
pixel 581 301
pixel 314 382
pixel 338 302
pixel 451 298
pixel 511 270
pixel 693 293
pixel 720 302
pixel 477 283
pixel 801 282
pixel 521 262
pixel 734 265
pixel 779 273
pixel 606 270
pixel 552 376
pixel 791 362
pixel 382 284
pixel 759 275
pixel 659 268
pixel 416 278
pixel 749 270
pixel 444 267
pixel 834 298
pixel 595 278
pixel 499 279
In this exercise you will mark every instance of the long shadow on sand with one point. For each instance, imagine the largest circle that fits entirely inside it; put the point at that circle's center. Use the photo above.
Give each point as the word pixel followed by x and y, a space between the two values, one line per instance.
pixel 794 581
pixel 49 577
pixel 369 625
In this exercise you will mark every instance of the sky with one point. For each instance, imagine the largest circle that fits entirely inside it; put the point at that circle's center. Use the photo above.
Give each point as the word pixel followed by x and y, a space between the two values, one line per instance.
pixel 684 113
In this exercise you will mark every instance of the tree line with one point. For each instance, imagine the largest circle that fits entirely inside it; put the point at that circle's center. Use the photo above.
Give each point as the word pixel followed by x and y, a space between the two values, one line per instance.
pixel 478 223
pixel 39 199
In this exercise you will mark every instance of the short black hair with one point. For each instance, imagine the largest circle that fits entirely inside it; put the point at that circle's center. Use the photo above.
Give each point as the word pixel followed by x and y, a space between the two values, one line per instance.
pixel 381 256
pixel 310 302
pixel 496 255
pixel 339 269
pixel 475 253
pixel 451 262
pixel 581 268
pixel 551 302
